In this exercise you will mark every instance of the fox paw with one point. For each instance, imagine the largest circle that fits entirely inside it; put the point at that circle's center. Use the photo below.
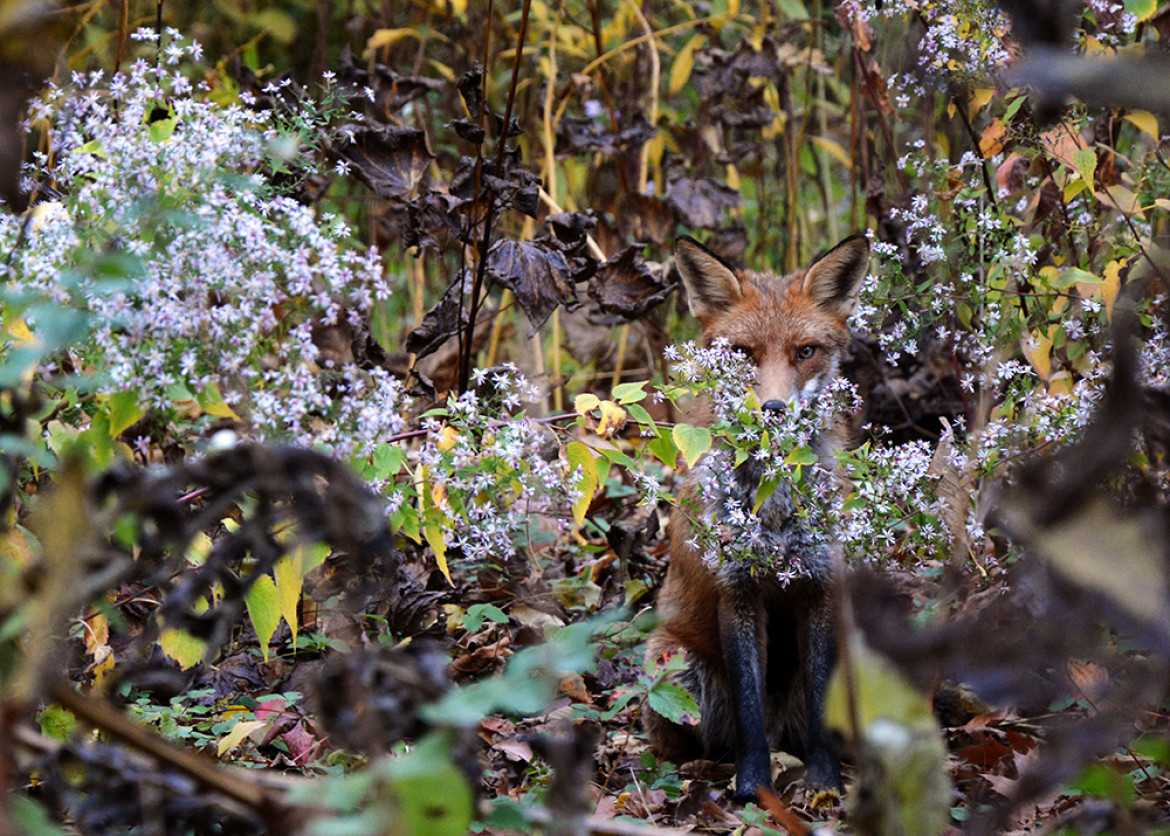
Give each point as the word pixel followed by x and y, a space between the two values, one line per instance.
pixel 823 798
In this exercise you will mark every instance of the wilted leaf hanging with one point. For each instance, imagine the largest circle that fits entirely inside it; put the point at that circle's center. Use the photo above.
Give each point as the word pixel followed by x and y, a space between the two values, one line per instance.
pixel 580 136
pixel 625 288
pixel 646 218
pixel 508 184
pixel 700 203
pixel 389 159
pixel 538 275
pixel 435 214
pixel 471 89
pixel 446 318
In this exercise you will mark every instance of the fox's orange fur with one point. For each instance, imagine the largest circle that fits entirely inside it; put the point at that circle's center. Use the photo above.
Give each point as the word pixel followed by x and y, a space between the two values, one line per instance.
pixel 759 650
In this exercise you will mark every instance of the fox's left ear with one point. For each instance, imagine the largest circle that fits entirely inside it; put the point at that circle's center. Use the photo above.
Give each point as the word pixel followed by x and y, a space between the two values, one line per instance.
pixel 834 279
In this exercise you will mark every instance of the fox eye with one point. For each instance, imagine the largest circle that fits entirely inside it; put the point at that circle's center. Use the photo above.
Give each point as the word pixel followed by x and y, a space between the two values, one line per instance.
pixel 806 352
pixel 744 350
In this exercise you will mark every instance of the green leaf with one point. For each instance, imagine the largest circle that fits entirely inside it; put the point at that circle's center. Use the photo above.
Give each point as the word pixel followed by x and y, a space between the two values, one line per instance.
pixel 692 442
pixel 900 746
pixel 1085 162
pixel 405 519
pixel 674 702
pixel 766 489
pixel 388 460
pixel 628 393
pixel 1143 10
pixel 57 723
pixel 1013 107
pixel 1101 781
pixel 181 646
pixel 263 604
pixel 801 456
pixel 639 414
pixel 94 146
pixel 794 9
pixel 1073 276
pixel 506 814
pixel 476 613
pixel 28 817
pixel 433 796
pixel 161 130
pixel 124 412
pixel 663 448
pixel 579 455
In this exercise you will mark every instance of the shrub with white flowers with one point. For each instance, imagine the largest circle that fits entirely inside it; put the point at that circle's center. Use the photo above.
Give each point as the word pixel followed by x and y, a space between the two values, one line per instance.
pixel 221 279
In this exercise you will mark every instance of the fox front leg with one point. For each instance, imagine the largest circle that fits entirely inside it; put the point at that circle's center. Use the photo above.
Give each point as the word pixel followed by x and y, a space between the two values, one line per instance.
pixel 822 765
pixel 740 618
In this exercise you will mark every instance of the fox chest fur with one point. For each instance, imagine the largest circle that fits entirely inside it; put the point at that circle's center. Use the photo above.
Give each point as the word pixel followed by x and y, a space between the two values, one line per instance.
pixel 759 643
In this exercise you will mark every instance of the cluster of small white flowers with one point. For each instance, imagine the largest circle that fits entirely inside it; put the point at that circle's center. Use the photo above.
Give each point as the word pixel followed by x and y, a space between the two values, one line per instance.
pixel 892 497
pixel 500 482
pixel 725 376
pixel 968 38
pixel 1114 25
pixel 229 278
pixel 1154 355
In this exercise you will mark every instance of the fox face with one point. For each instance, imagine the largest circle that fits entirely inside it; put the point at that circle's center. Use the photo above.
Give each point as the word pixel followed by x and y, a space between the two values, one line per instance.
pixel 793 328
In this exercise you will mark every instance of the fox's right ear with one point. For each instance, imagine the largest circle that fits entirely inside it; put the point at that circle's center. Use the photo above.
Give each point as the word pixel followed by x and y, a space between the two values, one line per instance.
pixel 711 285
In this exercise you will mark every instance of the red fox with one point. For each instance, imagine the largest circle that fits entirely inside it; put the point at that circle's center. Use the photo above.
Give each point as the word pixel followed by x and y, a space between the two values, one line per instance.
pixel 759 649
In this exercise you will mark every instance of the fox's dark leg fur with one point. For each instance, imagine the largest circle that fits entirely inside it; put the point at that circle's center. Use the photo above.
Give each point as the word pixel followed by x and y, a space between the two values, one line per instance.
pixel 741 617
pixel 823 767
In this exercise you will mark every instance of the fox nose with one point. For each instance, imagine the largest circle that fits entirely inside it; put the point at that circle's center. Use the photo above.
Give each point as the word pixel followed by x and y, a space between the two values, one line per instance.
pixel 775 405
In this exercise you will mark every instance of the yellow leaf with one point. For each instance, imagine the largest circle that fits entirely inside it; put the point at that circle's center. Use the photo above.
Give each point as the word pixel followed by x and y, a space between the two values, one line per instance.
pixel 236 736
pixel 96 633
pixel 18 330
pixel 211 402
pixel 439 496
pixel 198 549
pixel 684 64
pixel 585 403
pixel 448 438
pixel 434 537
pixel 980 97
pixel 442 69
pixel 613 418
pixel 1147 122
pixel 263 603
pixel 388 37
pixel 289 575
pixel 1111 286
pixel 991 142
pixel 833 149
pixel 580 456
pixel 103 664
pixel 14 547
pixel 1123 200
pixel 1038 349
pixel 181 646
